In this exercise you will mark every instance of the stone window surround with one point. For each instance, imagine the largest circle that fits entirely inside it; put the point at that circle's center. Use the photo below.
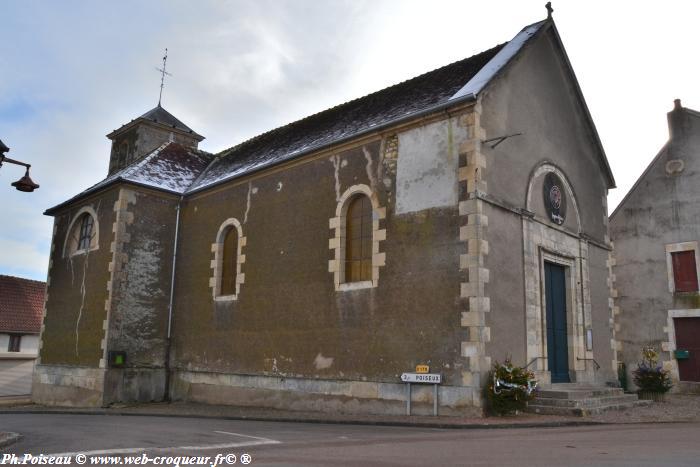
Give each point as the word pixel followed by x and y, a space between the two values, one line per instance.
pixel 671 365
pixel 542 169
pixel 217 263
pixel 94 243
pixel 674 248
pixel 337 241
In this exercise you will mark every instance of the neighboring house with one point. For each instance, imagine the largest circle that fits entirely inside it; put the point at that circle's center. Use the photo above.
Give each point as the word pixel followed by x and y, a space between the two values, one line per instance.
pixel 455 219
pixel 656 230
pixel 21 306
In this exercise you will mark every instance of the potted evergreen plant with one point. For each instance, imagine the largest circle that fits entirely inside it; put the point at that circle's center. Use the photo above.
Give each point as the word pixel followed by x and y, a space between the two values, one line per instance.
pixel 650 377
pixel 509 388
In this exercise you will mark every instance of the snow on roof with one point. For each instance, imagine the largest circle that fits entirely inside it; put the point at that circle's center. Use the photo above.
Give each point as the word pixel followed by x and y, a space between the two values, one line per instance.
pixel 170 167
pixel 501 59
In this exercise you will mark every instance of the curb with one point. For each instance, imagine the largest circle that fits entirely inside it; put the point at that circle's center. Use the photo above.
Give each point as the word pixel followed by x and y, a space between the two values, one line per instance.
pixel 398 423
pixel 9 438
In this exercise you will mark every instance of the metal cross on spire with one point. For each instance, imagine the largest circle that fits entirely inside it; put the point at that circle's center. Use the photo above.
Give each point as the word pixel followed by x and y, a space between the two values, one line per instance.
pixel 162 76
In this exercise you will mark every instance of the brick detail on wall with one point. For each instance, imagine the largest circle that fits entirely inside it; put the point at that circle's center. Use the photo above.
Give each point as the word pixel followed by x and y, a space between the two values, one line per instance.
pixel 336 244
pixel 473 234
pixel 615 344
pixel 123 218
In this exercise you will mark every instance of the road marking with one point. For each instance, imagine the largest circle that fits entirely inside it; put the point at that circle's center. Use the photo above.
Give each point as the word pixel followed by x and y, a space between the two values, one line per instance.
pixel 257 441
pixel 243 436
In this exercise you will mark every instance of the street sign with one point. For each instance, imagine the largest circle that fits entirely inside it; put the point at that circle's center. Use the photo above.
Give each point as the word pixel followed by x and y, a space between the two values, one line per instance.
pixel 428 378
pixel 422 369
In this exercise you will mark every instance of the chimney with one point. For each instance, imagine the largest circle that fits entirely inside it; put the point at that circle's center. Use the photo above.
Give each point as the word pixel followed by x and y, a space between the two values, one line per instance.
pixel 676 120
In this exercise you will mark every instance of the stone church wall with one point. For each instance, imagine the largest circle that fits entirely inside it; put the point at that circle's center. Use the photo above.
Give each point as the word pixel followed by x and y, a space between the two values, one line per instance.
pixel 70 366
pixel 290 331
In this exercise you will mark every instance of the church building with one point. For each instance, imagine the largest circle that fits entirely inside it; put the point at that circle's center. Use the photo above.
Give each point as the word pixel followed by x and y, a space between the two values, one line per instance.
pixel 452 220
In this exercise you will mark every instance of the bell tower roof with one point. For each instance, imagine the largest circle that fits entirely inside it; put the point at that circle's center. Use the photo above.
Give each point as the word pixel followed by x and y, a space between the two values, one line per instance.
pixel 159 117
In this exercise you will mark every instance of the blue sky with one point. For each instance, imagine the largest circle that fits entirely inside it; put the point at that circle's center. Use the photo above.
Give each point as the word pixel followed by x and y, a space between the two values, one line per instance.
pixel 72 71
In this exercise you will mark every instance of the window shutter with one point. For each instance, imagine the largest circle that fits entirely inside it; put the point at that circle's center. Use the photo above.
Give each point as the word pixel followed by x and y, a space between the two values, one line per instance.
pixel 685 274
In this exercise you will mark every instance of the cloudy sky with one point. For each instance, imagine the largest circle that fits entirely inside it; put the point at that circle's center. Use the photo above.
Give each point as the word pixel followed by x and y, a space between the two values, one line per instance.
pixel 72 71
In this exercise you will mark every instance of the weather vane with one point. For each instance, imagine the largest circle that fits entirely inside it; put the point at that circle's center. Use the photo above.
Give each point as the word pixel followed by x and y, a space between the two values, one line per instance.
pixel 162 76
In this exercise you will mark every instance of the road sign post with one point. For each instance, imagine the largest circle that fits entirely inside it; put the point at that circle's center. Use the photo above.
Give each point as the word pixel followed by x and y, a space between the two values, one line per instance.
pixel 421 378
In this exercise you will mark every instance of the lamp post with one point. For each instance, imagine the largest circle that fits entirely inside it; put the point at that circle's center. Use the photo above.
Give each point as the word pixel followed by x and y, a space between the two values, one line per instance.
pixel 25 183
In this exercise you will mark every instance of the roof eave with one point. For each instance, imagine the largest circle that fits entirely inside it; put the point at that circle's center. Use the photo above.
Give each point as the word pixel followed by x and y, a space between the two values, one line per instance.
pixel 51 211
pixel 163 126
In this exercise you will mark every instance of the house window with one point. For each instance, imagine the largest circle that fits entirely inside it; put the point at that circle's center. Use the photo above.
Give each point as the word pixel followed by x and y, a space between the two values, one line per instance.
pixel 227 265
pixel 682 267
pixel 15 343
pixel 685 274
pixel 358 240
pixel 355 241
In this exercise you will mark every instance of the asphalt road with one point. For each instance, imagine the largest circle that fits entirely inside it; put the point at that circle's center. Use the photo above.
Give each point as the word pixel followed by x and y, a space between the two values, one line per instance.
pixel 309 444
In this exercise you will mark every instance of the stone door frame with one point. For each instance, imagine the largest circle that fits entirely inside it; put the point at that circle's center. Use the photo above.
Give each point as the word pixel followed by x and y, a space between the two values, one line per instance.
pixel 542 243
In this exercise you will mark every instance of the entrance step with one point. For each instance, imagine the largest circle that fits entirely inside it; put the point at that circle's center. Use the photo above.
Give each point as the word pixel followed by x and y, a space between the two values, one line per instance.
pixel 581 400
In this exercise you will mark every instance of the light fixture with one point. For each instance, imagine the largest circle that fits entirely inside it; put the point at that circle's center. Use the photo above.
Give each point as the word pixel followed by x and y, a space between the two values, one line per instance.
pixel 25 183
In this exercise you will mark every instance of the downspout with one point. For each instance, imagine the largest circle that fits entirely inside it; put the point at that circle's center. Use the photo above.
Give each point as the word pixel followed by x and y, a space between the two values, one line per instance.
pixel 168 338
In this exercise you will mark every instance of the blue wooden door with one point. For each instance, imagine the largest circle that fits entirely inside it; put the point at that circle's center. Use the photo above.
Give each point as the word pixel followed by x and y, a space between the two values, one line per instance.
pixel 557 344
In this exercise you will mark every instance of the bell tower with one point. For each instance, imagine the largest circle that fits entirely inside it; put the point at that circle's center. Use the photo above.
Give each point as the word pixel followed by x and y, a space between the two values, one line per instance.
pixel 142 135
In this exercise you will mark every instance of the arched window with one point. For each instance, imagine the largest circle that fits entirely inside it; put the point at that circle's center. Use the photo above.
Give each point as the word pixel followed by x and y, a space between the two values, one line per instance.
pixel 82 233
pixel 229 262
pixel 358 240
pixel 85 234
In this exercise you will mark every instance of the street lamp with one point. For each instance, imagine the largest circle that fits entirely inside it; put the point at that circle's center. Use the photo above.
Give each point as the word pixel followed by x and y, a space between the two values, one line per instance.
pixel 25 183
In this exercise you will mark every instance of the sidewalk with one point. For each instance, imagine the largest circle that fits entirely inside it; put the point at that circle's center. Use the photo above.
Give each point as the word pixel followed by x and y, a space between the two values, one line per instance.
pixel 677 408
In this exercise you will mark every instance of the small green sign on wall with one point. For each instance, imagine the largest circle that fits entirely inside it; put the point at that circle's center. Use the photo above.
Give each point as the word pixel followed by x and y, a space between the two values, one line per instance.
pixel 117 358
pixel 681 354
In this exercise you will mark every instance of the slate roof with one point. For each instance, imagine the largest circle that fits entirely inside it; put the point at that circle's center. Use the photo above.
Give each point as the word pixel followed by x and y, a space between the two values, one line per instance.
pixel 180 170
pixel 170 167
pixel 346 120
pixel 21 304
pixel 161 116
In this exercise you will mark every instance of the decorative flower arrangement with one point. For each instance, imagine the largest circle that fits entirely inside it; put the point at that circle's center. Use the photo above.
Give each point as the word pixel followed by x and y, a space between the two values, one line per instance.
pixel 510 388
pixel 650 377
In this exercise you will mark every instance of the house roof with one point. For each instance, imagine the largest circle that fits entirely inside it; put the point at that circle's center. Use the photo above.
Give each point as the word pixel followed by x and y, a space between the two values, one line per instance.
pixel 160 116
pixel 21 304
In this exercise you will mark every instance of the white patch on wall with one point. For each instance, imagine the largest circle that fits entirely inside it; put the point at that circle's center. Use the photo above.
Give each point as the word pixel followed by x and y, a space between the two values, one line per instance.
pixel 279 186
pixel 322 362
pixel 335 160
pixel 428 162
